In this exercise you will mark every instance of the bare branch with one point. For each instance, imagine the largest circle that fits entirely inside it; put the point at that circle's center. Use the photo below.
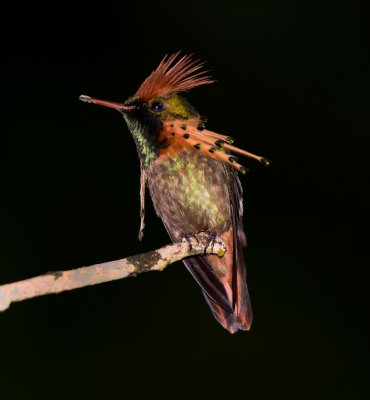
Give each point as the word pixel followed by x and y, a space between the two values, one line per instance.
pixel 59 281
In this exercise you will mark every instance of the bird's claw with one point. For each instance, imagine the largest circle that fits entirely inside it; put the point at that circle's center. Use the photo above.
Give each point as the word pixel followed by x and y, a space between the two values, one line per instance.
pixel 211 240
pixel 187 237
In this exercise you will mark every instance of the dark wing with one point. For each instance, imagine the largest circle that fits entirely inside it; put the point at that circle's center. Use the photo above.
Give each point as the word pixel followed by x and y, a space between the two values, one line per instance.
pixel 204 274
pixel 227 296
pixel 241 316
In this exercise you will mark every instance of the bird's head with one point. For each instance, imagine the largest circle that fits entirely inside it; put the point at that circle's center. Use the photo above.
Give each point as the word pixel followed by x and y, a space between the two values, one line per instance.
pixel 158 100
pixel 162 122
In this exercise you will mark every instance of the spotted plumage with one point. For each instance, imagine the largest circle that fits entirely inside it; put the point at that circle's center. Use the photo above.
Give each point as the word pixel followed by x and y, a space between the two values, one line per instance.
pixel 192 177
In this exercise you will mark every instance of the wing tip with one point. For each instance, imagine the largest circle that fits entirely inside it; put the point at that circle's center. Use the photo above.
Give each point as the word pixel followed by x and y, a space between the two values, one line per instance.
pixel 238 325
pixel 238 320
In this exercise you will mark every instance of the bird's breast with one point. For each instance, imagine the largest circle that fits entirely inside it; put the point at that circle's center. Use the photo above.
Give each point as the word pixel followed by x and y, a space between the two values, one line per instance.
pixel 190 192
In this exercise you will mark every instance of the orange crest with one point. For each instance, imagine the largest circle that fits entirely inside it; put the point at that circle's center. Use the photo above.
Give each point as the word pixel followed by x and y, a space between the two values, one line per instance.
pixel 170 77
pixel 176 135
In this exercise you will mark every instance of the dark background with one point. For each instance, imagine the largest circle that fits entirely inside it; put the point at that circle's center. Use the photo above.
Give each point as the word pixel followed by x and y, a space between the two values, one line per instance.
pixel 290 86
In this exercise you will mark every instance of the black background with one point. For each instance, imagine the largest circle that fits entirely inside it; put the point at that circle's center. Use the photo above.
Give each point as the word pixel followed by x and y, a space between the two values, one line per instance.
pixel 290 86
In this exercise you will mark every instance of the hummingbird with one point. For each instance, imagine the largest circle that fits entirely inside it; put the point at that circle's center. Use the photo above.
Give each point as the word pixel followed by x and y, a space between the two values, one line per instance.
pixel 192 176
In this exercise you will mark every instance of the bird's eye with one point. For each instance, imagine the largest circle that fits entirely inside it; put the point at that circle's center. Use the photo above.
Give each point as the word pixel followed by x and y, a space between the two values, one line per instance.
pixel 157 106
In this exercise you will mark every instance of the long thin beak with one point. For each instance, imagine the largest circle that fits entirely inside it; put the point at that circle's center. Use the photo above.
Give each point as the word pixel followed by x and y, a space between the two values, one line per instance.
pixel 110 104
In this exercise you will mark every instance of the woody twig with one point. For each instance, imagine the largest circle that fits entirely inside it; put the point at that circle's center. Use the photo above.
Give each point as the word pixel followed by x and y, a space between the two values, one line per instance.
pixel 60 281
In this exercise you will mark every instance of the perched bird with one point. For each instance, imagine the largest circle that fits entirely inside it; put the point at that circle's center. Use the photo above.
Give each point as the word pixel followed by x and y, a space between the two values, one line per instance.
pixel 192 179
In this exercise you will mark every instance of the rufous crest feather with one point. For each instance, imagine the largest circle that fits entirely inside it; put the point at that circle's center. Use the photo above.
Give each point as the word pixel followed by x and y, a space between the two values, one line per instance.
pixel 173 77
pixel 178 134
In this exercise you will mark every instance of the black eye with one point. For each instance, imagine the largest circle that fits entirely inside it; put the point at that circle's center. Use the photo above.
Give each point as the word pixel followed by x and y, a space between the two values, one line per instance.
pixel 157 106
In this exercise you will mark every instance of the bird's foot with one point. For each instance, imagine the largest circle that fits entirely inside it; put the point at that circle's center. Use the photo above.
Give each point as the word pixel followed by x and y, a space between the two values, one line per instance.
pixel 187 237
pixel 211 240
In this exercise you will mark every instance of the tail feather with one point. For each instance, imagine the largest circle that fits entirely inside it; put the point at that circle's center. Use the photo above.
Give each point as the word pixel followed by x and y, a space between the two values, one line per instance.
pixel 223 280
pixel 230 272
pixel 242 316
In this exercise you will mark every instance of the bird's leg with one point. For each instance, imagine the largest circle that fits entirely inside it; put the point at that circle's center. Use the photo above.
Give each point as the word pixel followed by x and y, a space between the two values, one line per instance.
pixel 208 237
pixel 211 239
pixel 187 237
